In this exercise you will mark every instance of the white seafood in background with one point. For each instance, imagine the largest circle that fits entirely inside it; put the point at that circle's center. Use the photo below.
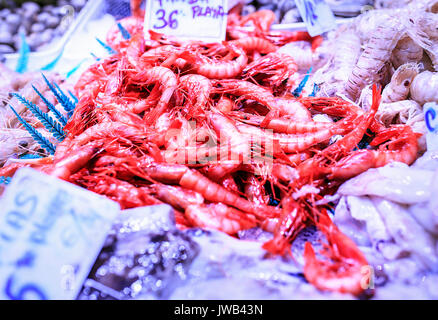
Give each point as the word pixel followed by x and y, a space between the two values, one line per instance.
pixel 424 88
pixel 393 213
pixel 398 88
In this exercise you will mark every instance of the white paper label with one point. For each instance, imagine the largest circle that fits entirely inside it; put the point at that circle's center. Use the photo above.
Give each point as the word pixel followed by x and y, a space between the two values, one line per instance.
pixel 204 20
pixel 317 16
pixel 51 233
pixel 431 119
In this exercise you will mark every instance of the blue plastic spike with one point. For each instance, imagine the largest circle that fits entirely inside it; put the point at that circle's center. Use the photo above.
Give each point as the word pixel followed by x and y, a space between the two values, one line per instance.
pixel 76 68
pixel 76 100
pixel 68 107
pixel 51 125
pixel 55 93
pixel 42 141
pixel 125 33
pixel 315 90
pixel 59 116
pixel 94 56
pixel 52 64
pixel 106 47
pixel 5 180
pixel 30 156
pixel 299 89
pixel 23 57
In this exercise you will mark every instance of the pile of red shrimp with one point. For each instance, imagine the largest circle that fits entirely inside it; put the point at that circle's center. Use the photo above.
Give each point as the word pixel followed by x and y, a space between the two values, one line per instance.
pixel 214 131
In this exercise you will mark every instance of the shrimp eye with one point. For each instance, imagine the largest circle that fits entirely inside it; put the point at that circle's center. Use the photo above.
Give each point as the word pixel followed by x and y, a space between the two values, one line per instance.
pixel 406 83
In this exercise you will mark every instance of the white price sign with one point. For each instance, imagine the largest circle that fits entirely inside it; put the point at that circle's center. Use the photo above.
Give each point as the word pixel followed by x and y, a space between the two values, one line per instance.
pixel 317 16
pixel 431 118
pixel 204 20
pixel 51 233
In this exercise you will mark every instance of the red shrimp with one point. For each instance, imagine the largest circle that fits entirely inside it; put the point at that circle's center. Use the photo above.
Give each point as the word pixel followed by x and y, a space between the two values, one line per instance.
pixel 245 90
pixel 254 44
pixel 261 19
pixel 213 192
pixel 74 161
pixel 213 69
pixel 175 196
pixel 292 220
pixel 220 217
pixel 281 125
pixel 275 70
pixel 402 147
pixel 255 191
pixel 197 89
pixel 344 272
pixel 167 82
pixel 126 194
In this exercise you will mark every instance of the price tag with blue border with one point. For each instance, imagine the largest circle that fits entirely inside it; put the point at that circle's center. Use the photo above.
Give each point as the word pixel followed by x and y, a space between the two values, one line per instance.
pixel 51 233
pixel 431 118
pixel 204 20
pixel 317 16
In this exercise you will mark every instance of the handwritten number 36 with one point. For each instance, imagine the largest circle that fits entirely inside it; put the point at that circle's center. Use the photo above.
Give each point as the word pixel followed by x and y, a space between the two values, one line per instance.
pixel 166 21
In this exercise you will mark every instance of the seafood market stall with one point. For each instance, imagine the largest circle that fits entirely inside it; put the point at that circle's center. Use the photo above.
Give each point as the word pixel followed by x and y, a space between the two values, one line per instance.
pixel 217 150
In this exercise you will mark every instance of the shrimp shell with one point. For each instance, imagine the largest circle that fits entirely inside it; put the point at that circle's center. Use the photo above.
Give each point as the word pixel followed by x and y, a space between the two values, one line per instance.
pixel 377 53
pixel 406 51
pixel 401 81
pixel 424 88
pixel 398 112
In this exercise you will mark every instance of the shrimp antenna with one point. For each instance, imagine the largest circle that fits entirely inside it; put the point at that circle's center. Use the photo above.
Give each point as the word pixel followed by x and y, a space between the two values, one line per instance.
pixel 125 33
pixel 51 125
pixel 38 137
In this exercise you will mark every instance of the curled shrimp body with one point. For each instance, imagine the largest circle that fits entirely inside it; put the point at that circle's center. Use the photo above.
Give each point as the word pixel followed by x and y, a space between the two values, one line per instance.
pixel 220 217
pixel 301 142
pixel 73 162
pixel 344 272
pixel 255 191
pixel 175 196
pixel 261 19
pixel 276 70
pixel 213 192
pixel 214 69
pixel 282 125
pixel 290 106
pixel 197 89
pixel 167 82
pixel 255 44
pixel 224 105
pixel 402 147
pixel 126 194
pixel 245 90
pixel 230 136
